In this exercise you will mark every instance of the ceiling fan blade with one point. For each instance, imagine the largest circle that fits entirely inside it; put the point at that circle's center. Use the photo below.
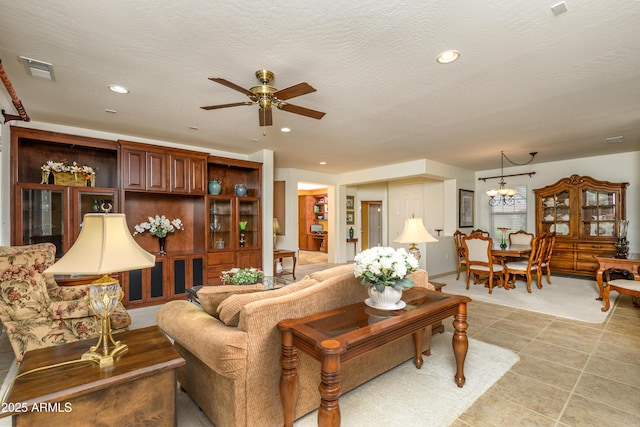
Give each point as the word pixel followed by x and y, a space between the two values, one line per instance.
pixel 265 116
pixel 230 85
pixel 293 91
pixel 302 111
pixel 235 104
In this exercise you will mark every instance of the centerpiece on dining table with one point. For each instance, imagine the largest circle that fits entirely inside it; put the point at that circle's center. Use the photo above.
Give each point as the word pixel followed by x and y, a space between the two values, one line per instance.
pixel 160 226
pixel 384 272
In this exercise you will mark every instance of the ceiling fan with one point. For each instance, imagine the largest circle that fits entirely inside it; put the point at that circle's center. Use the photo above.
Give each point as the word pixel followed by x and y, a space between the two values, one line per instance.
pixel 267 96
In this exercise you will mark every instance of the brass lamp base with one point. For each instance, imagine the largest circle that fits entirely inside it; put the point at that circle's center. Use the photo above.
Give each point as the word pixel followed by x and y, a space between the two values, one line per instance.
pixel 101 302
pixel 105 361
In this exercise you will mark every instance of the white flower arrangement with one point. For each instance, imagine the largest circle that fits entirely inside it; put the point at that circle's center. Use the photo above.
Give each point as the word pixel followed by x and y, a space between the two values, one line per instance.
pixel 385 266
pixel 241 276
pixel 159 226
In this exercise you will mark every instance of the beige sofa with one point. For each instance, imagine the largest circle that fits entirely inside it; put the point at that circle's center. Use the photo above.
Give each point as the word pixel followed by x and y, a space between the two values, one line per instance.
pixel 233 368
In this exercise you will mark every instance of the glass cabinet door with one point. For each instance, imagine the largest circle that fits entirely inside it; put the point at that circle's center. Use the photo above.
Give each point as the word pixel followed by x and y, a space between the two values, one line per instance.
pixel 556 213
pixel 93 201
pixel 248 223
pixel 220 223
pixel 42 217
pixel 598 213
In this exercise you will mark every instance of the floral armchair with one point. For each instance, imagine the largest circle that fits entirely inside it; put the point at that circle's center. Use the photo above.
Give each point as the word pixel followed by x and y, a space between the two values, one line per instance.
pixel 35 311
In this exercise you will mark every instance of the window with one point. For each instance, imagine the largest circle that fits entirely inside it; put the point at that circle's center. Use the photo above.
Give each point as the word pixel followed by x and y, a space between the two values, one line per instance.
pixel 513 217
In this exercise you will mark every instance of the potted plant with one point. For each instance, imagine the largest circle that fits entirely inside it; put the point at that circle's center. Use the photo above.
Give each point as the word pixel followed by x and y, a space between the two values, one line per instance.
pixel 383 270
pixel 242 276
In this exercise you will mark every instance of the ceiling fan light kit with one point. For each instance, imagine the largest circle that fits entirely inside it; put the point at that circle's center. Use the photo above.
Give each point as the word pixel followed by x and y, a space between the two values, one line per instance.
pixel 267 96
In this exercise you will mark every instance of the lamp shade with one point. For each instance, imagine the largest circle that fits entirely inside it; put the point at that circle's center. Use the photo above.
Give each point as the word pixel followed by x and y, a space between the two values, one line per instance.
pixel 414 232
pixel 276 226
pixel 105 245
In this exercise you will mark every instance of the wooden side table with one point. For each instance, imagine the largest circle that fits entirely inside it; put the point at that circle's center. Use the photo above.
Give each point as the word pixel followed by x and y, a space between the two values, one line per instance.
pixel 279 255
pixel 140 389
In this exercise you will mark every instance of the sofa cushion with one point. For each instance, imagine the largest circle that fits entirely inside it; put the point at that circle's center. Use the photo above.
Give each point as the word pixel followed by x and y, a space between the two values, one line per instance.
pixel 210 297
pixel 332 272
pixel 70 309
pixel 229 309
pixel 24 297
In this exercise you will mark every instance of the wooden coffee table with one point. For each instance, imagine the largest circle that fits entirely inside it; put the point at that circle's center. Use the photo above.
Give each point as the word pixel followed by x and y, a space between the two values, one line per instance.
pixel 140 389
pixel 336 336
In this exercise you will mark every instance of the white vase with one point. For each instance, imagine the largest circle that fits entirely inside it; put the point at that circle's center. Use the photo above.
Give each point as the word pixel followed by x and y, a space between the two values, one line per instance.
pixel 387 299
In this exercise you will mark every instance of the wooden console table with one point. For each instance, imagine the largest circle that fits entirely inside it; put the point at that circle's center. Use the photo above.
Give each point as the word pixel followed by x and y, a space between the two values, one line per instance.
pixel 342 334
pixel 139 389
pixel 279 255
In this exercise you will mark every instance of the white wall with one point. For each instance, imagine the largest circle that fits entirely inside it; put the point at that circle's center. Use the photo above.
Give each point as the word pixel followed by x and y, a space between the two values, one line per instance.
pixel 614 168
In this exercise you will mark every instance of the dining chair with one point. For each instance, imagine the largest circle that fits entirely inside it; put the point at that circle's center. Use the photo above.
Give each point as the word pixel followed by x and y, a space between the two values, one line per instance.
pixel 623 287
pixel 479 232
pixel 529 267
pixel 520 237
pixel 477 250
pixel 545 263
pixel 457 241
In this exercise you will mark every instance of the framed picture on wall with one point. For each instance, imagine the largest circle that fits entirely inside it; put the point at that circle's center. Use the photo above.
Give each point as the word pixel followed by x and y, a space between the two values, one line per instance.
pixel 350 202
pixel 350 218
pixel 465 208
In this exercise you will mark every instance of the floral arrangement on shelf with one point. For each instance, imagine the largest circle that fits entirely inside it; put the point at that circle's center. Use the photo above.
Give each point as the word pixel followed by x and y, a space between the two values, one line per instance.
pixel 86 172
pixel 159 226
pixel 384 266
pixel 242 276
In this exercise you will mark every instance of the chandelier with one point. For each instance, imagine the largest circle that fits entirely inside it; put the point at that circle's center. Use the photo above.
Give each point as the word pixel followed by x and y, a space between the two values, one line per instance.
pixel 504 195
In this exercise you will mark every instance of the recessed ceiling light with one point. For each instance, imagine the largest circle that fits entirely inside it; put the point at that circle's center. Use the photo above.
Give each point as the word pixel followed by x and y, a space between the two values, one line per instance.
pixel 118 89
pixel 448 56
pixel 109 110
pixel 285 130
pixel 323 163
pixel 193 127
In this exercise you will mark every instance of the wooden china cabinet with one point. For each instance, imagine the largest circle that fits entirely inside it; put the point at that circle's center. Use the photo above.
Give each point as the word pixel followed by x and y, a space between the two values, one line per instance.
pixel 585 214
pixel 233 222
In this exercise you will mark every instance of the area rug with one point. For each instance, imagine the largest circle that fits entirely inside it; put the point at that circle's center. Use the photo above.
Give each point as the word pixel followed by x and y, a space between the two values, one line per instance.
pixel 406 396
pixel 312 257
pixel 568 297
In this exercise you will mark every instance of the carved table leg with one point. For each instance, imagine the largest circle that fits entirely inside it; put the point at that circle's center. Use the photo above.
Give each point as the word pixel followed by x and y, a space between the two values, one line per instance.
pixel 329 411
pixel 599 274
pixel 417 341
pixel 460 342
pixel 605 293
pixel 288 378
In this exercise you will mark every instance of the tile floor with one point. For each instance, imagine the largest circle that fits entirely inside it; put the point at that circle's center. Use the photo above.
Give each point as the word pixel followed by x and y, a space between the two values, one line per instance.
pixel 570 373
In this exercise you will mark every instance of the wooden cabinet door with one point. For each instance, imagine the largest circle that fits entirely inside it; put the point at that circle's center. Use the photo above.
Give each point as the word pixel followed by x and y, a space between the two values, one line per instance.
pixel 134 169
pixel 179 170
pixel 247 259
pixel 156 171
pixel 198 178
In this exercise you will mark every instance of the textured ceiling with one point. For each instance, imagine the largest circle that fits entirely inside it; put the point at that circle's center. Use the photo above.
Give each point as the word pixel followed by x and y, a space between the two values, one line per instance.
pixel 526 80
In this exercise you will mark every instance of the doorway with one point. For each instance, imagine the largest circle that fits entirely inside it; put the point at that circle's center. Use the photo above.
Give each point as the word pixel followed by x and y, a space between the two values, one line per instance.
pixel 371 223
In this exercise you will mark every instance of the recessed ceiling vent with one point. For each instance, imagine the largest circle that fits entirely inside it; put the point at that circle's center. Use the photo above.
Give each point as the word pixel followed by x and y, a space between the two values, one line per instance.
pixel 615 139
pixel 559 8
pixel 36 68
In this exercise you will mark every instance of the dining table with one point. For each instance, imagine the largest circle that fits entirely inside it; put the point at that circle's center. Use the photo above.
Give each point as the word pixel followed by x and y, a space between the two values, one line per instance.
pixel 509 251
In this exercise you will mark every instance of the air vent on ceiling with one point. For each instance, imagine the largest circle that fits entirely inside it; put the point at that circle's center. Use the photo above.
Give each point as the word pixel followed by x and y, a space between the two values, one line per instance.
pixel 615 139
pixel 559 8
pixel 36 68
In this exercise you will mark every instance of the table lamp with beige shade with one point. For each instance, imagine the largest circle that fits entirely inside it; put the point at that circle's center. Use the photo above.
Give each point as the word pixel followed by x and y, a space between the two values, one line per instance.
pixel 105 246
pixel 413 233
